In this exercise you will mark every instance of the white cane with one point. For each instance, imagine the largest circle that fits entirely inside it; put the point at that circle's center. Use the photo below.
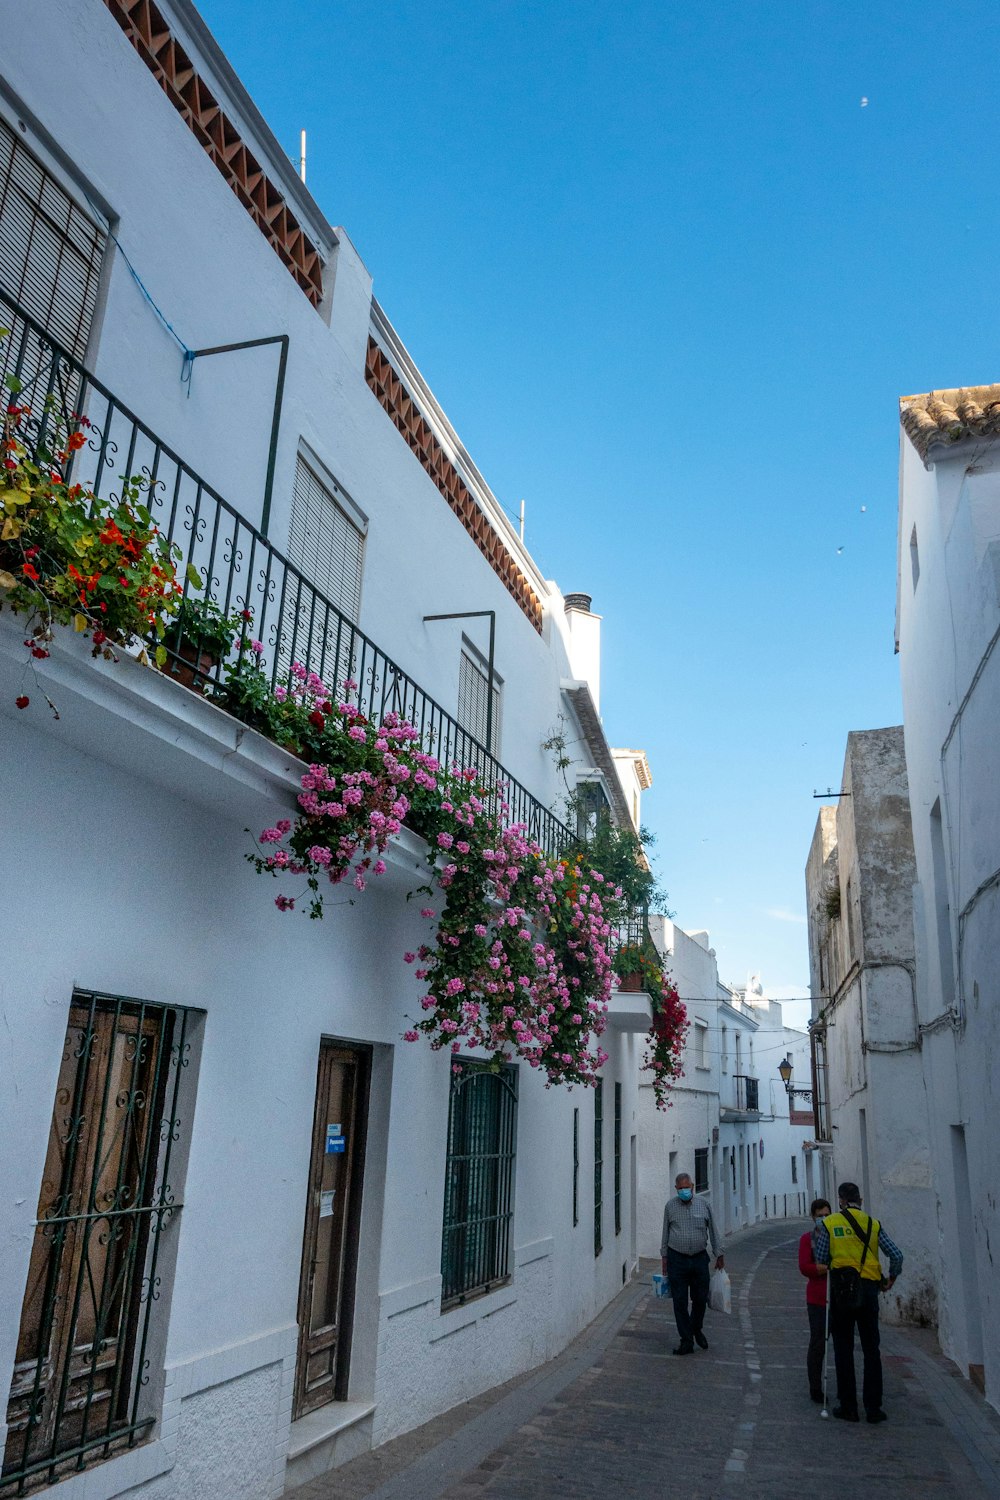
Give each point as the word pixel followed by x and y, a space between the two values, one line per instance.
pixel 824 1411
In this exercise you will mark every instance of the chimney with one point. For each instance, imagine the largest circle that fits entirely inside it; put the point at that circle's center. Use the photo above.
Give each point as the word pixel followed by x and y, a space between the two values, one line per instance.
pixel 584 642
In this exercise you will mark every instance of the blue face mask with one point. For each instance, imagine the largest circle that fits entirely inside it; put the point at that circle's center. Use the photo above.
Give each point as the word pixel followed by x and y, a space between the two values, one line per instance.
pixel 684 1194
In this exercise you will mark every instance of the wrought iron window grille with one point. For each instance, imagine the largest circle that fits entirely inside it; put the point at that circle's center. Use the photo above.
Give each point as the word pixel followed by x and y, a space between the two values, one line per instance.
pixel 241 570
pixel 598 1164
pixel 92 1323
pixel 479 1182
pixel 618 1158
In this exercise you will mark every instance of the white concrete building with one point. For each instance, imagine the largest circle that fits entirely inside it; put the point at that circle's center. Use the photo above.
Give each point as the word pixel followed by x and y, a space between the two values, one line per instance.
pixel 729 1124
pixel 859 883
pixel 283 1303
pixel 948 626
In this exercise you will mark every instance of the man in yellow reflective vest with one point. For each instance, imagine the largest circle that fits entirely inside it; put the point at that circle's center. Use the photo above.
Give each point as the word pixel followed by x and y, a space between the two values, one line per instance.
pixel 849 1243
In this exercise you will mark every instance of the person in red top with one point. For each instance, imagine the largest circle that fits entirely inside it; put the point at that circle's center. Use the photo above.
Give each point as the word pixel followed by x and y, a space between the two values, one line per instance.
pixel 816 1279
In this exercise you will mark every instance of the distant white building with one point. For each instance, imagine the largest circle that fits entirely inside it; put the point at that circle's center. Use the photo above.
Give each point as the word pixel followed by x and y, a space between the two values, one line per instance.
pixel 247 1230
pixel 948 627
pixel 873 1112
pixel 729 1124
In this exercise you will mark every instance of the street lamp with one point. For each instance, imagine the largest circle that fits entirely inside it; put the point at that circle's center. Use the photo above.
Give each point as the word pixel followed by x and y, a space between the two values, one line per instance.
pixel 785 1070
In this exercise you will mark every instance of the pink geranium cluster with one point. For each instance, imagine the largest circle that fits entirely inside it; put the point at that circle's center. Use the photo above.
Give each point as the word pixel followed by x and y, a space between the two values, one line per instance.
pixel 519 961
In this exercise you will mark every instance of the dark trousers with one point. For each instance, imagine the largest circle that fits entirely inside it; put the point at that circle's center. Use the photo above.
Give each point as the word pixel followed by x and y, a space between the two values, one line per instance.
pixel 842 1325
pixel 817 1347
pixel 689 1277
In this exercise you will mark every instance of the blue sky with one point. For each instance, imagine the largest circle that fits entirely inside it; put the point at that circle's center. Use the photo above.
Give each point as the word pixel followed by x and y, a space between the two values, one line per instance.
pixel 668 275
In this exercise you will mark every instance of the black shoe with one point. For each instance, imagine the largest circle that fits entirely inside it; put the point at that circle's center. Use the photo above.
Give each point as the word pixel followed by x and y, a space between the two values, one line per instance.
pixel 701 1340
pixel 845 1416
pixel 816 1396
pixel 876 1416
pixel 683 1348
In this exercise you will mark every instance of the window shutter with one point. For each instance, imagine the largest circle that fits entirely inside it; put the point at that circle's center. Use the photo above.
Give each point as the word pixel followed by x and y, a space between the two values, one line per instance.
pixel 472 699
pixel 324 543
pixel 50 250
pixel 327 548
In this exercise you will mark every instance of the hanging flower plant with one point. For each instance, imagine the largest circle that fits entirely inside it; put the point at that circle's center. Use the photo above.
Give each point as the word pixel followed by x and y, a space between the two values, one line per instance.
pixel 520 962
pixel 665 1042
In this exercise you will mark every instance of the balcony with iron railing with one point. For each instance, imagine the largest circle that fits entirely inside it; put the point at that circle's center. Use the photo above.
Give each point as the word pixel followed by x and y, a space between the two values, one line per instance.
pixel 239 567
pixel 744 1098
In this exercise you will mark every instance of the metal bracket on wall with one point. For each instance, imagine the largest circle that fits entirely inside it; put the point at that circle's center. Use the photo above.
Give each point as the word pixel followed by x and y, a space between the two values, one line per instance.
pixel 279 392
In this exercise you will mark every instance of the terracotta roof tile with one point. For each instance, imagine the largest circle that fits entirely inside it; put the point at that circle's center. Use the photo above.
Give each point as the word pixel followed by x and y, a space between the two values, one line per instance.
pixel 948 416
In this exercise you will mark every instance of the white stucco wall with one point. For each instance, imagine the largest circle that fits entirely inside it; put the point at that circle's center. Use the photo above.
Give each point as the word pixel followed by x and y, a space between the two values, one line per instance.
pixel 132 828
pixel 128 816
pixel 948 622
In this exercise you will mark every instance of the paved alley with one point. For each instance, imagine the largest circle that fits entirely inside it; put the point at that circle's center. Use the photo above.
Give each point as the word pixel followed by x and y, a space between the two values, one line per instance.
pixel 618 1414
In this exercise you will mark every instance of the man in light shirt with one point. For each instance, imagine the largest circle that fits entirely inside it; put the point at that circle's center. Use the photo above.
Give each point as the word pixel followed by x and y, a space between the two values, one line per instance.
pixel 688 1227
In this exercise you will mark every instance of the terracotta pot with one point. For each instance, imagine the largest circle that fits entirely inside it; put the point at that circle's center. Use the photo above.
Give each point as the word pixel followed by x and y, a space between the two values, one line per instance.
pixel 630 984
pixel 193 671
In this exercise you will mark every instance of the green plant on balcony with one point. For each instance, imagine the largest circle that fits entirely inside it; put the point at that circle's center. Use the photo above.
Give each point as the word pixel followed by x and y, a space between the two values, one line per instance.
pixel 202 636
pixel 68 558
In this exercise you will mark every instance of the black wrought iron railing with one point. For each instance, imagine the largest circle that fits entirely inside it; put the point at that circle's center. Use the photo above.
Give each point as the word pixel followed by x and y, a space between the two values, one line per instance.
pixel 240 568
pixel 747 1096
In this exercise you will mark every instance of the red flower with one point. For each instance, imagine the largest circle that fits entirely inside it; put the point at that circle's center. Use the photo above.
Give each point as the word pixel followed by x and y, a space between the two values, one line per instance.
pixel 246 614
pixel 123 580
pixel 317 718
pixel 22 702
pixel 99 637
pixel 30 572
pixel 111 536
pixel 76 440
pixel 39 652
pixel 31 553
pixel 10 463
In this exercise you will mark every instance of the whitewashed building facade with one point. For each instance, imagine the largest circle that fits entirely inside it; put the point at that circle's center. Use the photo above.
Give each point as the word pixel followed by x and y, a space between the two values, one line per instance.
pixel 948 626
pixel 873 1111
pixel 731 1125
pixel 296 1311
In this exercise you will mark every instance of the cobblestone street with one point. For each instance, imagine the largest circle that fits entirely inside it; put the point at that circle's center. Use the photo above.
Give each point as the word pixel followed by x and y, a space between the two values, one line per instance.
pixel 618 1414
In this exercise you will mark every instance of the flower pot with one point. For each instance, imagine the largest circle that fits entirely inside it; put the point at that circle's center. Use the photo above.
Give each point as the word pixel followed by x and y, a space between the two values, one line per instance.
pixel 630 984
pixel 194 668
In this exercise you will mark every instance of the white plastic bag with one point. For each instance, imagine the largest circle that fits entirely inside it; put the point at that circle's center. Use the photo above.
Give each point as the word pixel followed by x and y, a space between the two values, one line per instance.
pixel 720 1292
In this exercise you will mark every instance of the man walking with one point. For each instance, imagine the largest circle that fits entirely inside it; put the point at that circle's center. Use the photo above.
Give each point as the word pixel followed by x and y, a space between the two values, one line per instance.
pixel 849 1243
pixel 688 1226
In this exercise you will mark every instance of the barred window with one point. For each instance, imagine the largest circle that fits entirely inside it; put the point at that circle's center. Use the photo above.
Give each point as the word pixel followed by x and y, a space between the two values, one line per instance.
pixel 326 545
pixel 598 1164
pixel 618 1158
pixel 50 250
pixel 479 1181
pixel 98 1277
pixel 473 696
pixel 701 1169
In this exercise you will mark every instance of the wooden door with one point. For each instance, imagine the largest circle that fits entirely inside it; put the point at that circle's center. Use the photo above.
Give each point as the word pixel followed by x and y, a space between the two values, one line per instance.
pixel 333 1211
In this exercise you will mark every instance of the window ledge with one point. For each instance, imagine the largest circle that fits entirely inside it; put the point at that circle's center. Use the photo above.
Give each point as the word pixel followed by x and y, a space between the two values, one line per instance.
pixel 324 1423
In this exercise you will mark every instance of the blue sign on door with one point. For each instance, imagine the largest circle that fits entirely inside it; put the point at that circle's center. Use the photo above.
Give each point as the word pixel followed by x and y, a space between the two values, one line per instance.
pixel 335 1143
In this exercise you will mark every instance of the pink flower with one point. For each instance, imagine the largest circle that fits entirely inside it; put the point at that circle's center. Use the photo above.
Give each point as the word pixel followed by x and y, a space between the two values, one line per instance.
pixel 427 911
pixel 409 958
pixel 411 1036
pixel 285 903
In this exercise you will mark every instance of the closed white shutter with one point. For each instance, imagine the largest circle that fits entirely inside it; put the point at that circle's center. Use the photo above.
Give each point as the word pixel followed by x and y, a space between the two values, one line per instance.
pixel 50 250
pixel 325 544
pixel 472 699
pixel 327 547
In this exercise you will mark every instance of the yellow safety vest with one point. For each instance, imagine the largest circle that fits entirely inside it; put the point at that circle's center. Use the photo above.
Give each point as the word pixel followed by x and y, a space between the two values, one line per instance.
pixel 845 1247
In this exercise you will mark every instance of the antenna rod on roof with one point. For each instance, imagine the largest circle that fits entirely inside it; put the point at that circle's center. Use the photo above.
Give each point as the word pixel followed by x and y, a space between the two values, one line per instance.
pixel 522 520
pixel 302 156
